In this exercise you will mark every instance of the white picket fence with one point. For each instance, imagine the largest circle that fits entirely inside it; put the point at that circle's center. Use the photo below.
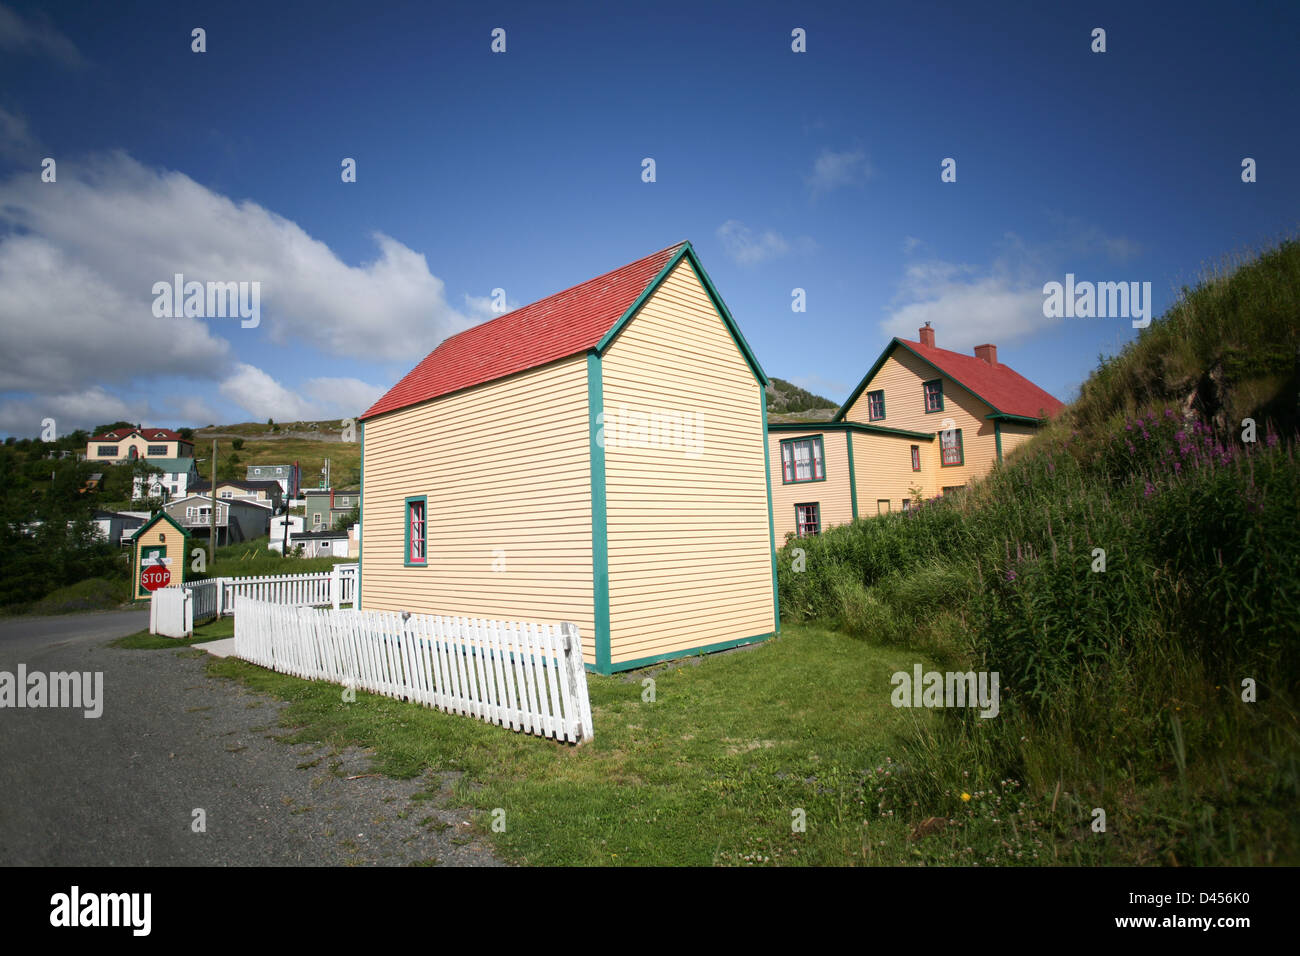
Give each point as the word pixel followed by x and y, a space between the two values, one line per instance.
pixel 210 598
pixel 528 677
pixel 217 597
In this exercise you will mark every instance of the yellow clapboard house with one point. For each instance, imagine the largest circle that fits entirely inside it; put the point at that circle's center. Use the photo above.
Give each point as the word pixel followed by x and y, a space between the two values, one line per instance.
pixel 923 419
pixel 597 457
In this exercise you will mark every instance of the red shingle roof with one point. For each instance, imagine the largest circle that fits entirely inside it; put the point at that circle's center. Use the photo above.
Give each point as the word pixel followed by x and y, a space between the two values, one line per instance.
pixel 149 434
pixel 1002 386
pixel 564 324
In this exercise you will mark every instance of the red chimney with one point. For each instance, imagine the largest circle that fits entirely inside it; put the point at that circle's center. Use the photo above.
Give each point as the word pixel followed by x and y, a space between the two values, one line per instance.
pixel 988 353
pixel 927 335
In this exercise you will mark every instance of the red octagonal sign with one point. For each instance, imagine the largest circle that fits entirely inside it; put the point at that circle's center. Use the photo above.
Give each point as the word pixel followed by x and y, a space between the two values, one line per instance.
pixel 155 577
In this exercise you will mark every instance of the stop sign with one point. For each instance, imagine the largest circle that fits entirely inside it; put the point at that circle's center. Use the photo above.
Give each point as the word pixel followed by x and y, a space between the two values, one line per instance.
pixel 155 577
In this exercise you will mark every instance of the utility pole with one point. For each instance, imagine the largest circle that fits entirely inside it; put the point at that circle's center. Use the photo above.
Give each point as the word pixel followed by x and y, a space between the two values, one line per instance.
pixel 212 528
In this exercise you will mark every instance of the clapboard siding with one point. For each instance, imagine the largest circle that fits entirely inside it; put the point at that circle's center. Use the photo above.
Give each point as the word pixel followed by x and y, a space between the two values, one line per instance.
pixel 884 470
pixel 506 470
pixel 834 496
pixel 902 377
pixel 689 548
pixel 1014 435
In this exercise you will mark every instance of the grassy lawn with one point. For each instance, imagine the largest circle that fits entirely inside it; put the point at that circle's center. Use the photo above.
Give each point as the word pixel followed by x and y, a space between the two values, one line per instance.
pixel 714 771
pixel 144 641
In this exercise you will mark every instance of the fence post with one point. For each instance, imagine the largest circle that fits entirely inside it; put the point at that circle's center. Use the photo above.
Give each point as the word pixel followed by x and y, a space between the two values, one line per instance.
pixel 336 585
pixel 187 612
pixel 220 594
pixel 573 673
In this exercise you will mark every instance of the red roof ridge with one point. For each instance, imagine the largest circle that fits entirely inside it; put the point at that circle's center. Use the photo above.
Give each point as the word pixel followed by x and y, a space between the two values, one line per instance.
pixel 565 323
pixel 1000 386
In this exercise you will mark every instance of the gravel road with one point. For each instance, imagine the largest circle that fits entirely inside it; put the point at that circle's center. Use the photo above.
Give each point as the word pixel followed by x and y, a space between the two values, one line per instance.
pixel 121 789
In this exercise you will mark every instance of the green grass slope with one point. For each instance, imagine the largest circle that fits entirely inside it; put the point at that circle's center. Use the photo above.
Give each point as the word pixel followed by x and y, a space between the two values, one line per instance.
pixel 1133 574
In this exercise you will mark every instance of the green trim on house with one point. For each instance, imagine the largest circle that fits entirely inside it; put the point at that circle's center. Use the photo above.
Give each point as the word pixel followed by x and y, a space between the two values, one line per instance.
pixel 790 441
pixel 961 452
pixel 771 524
pixel 853 476
pixel 406 534
pixel 688 652
pixel 599 515
pixel 884 355
pixel 881 416
pixel 818 427
pixel 997 437
pixel 805 504
pixel 925 396
pixel 162 515
pixel 1016 419
pixel 688 252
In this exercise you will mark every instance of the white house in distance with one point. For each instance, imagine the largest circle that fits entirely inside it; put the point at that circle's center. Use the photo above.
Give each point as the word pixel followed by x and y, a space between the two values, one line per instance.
pixel 322 544
pixel 178 478
pixel 288 477
pixel 278 533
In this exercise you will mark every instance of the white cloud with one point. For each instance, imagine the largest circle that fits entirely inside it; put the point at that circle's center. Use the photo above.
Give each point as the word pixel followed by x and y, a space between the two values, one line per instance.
pixel 1001 303
pixel 343 397
pixel 911 244
pixel 70 411
pixel 967 309
pixel 832 170
pixel 64 325
pixel 746 247
pixel 131 226
pixel 262 396
pixel 36 37
pixel 480 308
pixel 320 399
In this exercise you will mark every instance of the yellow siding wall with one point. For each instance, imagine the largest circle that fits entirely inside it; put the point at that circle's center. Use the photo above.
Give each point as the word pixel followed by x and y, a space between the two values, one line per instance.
pixel 833 495
pixel 1013 436
pixel 689 545
pixel 506 468
pixel 884 470
pixel 141 446
pixel 901 377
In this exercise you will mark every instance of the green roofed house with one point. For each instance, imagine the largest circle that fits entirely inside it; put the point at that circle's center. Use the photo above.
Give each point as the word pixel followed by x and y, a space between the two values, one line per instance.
pixel 597 457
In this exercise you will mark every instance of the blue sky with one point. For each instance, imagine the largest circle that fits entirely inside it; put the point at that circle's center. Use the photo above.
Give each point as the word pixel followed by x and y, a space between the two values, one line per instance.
pixel 522 171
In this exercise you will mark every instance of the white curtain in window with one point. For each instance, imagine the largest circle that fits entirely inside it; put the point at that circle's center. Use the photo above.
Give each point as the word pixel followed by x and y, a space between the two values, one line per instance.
pixel 803 461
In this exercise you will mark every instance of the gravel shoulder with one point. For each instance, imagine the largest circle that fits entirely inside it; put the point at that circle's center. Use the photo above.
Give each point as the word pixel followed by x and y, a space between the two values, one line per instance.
pixel 122 789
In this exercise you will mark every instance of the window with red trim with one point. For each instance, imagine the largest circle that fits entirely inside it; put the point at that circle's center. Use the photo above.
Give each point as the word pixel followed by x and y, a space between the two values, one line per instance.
pixel 802 460
pixel 416 531
pixel 808 519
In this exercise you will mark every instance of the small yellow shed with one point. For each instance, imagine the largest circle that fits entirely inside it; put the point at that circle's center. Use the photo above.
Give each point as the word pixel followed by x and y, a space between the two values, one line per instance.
pixel 160 540
pixel 596 457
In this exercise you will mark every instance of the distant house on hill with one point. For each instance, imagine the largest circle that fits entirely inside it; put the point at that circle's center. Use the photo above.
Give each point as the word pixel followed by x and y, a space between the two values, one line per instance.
pixel 128 444
pixel 178 478
pixel 115 527
pixel 324 506
pixel 288 477
pixel 321 544
pixel 923 417
pixel 237 520
pixel 266 493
